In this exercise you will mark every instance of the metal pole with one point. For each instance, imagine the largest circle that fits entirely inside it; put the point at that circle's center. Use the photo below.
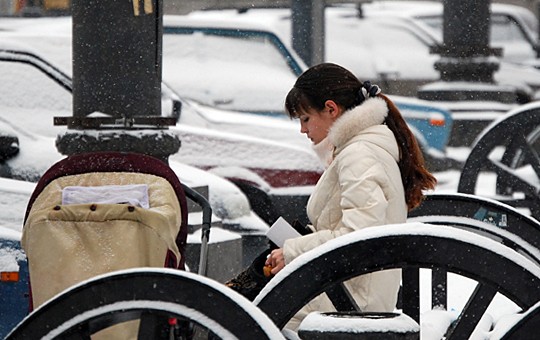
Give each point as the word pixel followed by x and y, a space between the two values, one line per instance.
pixel 117 54
pixel 308 30
pixel 465 51
pixel 206 225
pixel 117 57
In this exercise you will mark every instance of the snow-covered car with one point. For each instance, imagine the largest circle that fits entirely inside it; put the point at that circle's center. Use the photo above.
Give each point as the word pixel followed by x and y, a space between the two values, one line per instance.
pixel 277 178
pixel 33 92
pixel 380 40
pixel 394 51
pixel 247 67
pixel 253 71
pixel 513 28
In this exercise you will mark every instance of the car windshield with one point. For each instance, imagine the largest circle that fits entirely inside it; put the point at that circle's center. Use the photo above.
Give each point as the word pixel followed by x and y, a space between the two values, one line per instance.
pixel 505 32
pixel 503 28
pixel 24 101
pixel 406 57
pixel 229 69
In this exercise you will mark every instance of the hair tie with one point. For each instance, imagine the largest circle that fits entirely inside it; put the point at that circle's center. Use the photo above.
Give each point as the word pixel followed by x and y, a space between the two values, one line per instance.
pixel 368 91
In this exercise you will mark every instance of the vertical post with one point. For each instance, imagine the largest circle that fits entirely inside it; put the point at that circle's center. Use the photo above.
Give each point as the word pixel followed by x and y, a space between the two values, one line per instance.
pixel 466 56
pixel 308 30
pixel 465 51
pixel 537 42
pixel 117 57
pixel 466 27
pixel 467 61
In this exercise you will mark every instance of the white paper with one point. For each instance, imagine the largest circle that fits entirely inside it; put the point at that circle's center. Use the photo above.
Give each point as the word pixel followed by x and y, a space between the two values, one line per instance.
pixel 280 231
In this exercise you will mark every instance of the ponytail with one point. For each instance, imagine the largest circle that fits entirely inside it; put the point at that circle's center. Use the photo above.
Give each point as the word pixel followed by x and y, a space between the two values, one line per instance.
pixel 416 178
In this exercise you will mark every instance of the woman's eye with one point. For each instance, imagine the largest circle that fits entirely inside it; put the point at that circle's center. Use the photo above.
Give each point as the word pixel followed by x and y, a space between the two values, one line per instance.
pixel 304 119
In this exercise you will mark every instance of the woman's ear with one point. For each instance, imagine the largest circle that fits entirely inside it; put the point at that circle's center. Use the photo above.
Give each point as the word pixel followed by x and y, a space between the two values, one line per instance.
pixel 333 108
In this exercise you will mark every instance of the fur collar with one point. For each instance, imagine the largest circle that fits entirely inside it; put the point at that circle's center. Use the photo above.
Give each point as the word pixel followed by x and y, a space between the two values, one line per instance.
pixel 371 112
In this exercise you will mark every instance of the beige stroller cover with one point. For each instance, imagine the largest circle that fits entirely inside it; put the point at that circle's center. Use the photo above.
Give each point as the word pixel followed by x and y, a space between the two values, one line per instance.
pixel 71 242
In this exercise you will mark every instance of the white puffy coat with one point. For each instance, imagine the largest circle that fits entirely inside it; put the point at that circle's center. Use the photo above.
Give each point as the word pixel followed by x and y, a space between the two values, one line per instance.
pixel 361 188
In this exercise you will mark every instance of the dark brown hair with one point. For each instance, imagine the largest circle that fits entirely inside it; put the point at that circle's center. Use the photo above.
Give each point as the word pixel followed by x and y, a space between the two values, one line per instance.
pixel 329 81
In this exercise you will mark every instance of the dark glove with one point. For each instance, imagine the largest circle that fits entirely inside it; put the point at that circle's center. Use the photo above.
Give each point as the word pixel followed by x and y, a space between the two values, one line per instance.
pixel 252 280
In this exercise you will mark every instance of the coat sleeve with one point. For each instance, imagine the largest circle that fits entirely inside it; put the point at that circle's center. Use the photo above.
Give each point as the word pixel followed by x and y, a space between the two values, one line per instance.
pixel 363 203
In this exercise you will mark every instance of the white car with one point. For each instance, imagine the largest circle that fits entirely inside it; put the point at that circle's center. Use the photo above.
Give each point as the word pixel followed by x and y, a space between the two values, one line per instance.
pixel 390 48
pixel 33 92
pixel 229 64
pixel 276 177
pixel 513 28
pixel 384 43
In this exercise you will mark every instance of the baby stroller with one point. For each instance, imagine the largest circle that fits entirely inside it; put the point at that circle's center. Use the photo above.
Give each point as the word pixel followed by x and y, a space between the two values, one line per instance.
pixel 94 213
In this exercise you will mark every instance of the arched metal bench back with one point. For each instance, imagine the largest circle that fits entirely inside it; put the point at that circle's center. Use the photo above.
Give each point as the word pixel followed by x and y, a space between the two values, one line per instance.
pixel 411 245
pixel 463 210
pixel 518 133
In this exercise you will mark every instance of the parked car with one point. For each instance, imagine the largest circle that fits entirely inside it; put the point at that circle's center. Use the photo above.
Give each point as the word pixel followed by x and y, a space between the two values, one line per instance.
pixel 513 28
pixel 276 177
pixel 14 196
pixel 394 51
pixel 33 91
pixel 380 40
pixel 255 68
pixel 247 67
pixel 252 72
pixel 277 174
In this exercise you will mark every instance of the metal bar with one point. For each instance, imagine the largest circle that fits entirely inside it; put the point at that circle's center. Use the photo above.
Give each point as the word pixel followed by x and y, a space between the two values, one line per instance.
pixel 101 122
pixel 411 292
pixel 206 225
pixel 472 312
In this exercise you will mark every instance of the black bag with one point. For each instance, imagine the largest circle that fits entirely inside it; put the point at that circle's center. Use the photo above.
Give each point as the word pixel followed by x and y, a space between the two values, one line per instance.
pixel 252 280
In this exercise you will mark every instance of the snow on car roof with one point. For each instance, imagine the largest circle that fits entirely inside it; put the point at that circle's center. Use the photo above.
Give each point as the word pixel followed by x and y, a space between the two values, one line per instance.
pixel 218 21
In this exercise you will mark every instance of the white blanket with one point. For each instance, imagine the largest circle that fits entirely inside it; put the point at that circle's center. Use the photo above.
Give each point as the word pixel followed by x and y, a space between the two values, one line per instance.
pixel 136 195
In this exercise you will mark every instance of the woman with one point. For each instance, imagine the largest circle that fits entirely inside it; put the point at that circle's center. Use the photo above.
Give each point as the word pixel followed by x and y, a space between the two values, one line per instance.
pixel 375 174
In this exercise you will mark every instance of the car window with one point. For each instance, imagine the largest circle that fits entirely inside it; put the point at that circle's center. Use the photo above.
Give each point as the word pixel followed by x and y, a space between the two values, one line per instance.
pixel 13 203
pixel 505 32
pixel 508 34
pixel 236 72
pixel 435 22
pixel 404 55
pixel 31 98
pixel 504 29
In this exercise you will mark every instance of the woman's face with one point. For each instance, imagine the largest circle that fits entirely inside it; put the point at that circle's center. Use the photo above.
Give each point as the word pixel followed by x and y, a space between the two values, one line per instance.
pixel 315 124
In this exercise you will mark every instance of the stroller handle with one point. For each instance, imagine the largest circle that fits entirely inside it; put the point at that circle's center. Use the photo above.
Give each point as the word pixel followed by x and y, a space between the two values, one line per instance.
pixel 206 224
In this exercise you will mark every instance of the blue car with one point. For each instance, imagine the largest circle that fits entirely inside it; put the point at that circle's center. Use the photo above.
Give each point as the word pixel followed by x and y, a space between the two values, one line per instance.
pixel 432 124
pixel 14 298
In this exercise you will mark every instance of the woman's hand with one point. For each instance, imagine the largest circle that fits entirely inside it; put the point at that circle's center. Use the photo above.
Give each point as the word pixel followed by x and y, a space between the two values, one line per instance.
pixel 276 260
